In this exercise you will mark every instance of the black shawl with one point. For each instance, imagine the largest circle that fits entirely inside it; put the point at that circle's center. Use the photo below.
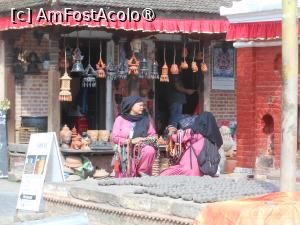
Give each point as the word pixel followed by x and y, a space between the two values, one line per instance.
pixel 142 121
pixel 206 125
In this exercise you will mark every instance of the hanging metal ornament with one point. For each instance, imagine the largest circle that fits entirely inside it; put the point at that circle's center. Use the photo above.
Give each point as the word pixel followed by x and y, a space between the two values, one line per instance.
pixel 194 64
pixel 203 65
pixel 164 71
pixel 123 64
pixel 154 70
pixel 143 67
pixel 100 66
pixel 89 75
pixel 174 68
pixel 65 94
pixel 111 70
pixel 77 57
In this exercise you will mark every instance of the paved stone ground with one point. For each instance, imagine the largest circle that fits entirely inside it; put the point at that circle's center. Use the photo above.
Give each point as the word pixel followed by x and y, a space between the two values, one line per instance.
pixel 8 201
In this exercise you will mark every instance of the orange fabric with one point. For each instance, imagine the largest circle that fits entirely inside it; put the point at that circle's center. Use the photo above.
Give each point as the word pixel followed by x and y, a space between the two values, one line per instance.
pixel 280 208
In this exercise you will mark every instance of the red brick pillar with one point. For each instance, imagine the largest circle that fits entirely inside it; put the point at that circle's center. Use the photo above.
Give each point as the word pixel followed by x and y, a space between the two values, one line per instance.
pixel 245 92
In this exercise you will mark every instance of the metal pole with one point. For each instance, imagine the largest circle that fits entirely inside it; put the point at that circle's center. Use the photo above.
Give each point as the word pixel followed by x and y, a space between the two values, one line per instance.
pixel 290 96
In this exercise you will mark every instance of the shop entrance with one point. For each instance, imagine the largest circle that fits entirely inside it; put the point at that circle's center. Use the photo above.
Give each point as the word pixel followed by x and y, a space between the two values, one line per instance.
pixel 87 110
pixel 189 79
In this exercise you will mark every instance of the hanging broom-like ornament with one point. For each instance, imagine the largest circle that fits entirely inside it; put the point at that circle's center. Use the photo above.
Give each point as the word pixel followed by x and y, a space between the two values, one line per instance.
pixel 174 68
pixel 164 71
pixel 203 65
pixel 194 64
pixel 100 66
pixel 65 90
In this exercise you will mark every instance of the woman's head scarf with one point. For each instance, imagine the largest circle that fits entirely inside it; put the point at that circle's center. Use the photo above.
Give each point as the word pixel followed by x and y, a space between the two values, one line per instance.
pixel 142 121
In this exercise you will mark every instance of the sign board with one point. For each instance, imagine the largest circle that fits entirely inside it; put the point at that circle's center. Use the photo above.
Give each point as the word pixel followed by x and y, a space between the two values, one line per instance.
pixel 43 163
pixel 3 146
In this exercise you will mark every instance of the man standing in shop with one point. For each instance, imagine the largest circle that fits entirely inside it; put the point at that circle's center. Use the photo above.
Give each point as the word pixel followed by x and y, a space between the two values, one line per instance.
pixel 176 99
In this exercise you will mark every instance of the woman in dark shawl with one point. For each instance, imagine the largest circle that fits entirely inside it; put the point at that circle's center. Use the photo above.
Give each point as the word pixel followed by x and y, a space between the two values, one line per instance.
pixel 131 127
pixel 204 126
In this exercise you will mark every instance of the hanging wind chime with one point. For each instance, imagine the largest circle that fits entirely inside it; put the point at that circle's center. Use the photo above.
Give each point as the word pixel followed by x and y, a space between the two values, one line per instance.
pixel 184 65
pixel 174 68
pixel 194 64
pixel 164 71
pixel 123 64
pixel 89 75
pixel 100 66
pixel 154 74
pixel 77 57
pixel 203 65
pixel 65 90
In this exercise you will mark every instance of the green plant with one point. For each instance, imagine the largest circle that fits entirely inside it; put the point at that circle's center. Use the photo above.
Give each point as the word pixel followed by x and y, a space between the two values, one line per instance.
pixel 5 105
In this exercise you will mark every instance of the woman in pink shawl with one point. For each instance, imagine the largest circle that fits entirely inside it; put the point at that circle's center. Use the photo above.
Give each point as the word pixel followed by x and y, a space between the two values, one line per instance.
pixel 131 128
pixel 204 126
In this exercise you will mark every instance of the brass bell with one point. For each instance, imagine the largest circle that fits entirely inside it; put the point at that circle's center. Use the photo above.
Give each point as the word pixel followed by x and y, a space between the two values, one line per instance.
pixel 144 68
pixel 77 66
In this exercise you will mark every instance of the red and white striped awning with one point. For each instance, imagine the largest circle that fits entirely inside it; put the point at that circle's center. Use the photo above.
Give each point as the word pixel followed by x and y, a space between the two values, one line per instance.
pixel 161 25
pixel 271 30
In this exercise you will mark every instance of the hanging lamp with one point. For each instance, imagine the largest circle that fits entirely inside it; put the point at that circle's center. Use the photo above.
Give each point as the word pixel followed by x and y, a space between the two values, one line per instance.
pixel 65 94
pixel 164 71
pixel 123 64
pixel 203 65
pixel 89 75
pixel 77 57
pixel 194 64
pixel 174 68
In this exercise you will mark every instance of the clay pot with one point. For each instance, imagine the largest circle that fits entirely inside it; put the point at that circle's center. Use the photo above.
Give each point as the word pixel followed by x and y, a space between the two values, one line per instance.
pixel 203 67
pixel 229 165
pixel 194 67
pixel 184 65
pixel 65 136
pixel 76 142
pixel 174 69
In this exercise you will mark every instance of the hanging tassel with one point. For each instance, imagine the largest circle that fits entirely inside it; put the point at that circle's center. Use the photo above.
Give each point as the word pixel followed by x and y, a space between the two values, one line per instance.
pixel 164 71
pixel 65 94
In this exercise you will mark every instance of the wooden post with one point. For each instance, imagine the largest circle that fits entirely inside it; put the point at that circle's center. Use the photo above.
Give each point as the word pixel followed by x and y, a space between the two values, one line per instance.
pixel 109 98
pixel 290 96
pixel 53 83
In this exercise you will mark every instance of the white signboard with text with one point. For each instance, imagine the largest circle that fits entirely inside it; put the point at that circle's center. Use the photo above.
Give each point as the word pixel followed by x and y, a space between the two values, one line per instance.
pixel 43 163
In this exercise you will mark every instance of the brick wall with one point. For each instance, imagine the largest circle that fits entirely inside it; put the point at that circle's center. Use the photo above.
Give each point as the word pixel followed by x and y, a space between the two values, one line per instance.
pixel 223 105
pixel 259 88
pixel 31 96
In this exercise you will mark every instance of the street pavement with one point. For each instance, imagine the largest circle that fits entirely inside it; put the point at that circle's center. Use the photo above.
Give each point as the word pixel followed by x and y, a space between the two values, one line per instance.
pixel 8 201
